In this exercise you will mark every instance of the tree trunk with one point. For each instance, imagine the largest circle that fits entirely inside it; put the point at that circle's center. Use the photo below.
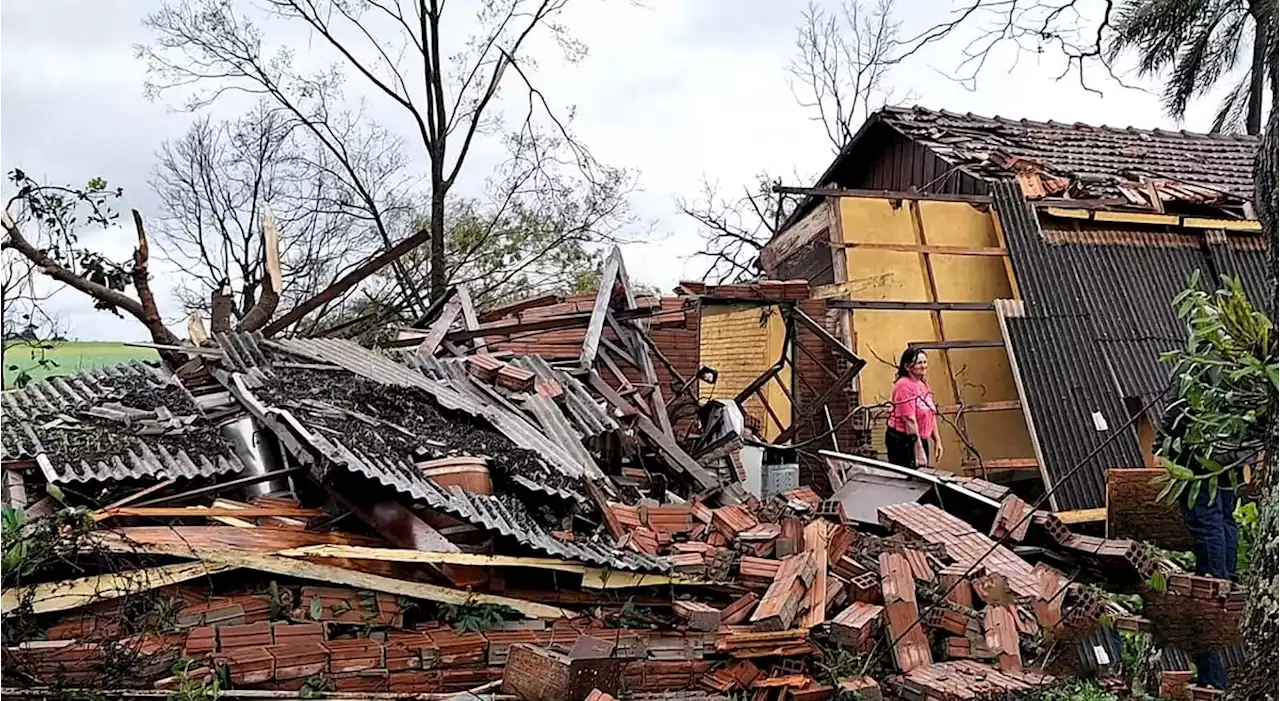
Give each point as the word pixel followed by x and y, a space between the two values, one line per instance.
pixel 439 280
pixel 1257 70
pixel 1261 622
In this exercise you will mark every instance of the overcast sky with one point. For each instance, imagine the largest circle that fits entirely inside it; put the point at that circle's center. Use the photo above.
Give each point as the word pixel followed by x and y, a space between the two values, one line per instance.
pixel 677 89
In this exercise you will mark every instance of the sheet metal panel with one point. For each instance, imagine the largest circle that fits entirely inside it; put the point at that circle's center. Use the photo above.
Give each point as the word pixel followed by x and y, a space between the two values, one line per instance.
pixel 1067 381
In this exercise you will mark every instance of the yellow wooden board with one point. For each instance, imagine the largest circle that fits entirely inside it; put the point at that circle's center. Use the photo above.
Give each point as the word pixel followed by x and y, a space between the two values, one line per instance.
pixel 74 593
pixel 1227 224
pixel 1136 217
pixel 980 375
pixel 741 342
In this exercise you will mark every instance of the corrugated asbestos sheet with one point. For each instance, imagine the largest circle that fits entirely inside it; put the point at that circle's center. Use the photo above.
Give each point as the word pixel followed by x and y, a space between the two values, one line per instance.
pixel 243 351
pixel 115 423
pixel 1097 319
pixel 508 518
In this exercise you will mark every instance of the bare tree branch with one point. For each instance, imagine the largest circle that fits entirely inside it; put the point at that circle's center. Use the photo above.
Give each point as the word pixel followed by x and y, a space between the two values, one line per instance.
pixel 396 48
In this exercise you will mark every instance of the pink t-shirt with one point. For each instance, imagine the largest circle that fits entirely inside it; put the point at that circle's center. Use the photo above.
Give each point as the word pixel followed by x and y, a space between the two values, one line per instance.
pixel 912 396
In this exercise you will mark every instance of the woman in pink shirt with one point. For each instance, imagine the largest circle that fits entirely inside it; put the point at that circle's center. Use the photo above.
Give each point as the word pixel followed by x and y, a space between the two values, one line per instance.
pixel 913 423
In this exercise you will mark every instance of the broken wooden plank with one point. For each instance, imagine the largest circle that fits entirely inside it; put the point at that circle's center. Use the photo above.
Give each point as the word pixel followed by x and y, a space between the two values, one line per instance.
pixel 290 567
pixel 604 296
pixel 470 321
pixel 668 447
pixel 205 512
pixel 74 593
pixel 439 329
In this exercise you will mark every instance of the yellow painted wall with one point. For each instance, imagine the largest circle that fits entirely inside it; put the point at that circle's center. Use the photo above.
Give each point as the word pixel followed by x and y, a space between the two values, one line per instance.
pixel 980 374
pixel 741 342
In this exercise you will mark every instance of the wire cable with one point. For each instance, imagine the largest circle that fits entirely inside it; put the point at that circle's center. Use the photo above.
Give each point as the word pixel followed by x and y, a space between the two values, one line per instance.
pixel 1030 514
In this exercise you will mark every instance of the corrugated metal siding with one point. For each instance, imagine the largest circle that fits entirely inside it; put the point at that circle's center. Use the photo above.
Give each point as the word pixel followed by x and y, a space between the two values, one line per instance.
pixel 1067 379
pixel 454 393
pixel 1065 371
pixel 509 518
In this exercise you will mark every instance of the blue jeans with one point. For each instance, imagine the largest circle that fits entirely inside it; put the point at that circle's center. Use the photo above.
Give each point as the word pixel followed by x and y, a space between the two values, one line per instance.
pixel 1213 525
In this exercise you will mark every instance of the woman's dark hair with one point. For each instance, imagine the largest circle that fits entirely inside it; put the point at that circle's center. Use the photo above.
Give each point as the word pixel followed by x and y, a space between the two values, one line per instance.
pixel 908 359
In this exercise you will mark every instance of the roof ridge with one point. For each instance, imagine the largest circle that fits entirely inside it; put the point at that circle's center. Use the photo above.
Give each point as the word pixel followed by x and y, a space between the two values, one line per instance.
pixel 1024 122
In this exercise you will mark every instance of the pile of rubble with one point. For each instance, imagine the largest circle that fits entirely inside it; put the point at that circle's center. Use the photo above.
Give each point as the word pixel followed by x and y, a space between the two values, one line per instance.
pixel 464 514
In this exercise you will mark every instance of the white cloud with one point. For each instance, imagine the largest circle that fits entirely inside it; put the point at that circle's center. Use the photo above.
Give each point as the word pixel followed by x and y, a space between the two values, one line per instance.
pixel 678 90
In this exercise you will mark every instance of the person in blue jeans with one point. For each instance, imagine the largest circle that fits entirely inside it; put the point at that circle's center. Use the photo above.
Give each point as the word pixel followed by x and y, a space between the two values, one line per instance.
pixel 1212 523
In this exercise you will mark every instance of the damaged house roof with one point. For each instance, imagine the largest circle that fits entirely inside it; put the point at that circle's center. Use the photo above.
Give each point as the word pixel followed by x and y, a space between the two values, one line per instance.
pixel 1097 161
pixel 1095 316
pixel 1103 227
pixel 114 423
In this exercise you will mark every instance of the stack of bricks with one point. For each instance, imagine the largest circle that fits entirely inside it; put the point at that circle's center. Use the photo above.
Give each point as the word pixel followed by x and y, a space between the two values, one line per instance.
pixel 1133 512
pixel 903 625
pixel 962 680
pixel 765 290
pixel 1195 613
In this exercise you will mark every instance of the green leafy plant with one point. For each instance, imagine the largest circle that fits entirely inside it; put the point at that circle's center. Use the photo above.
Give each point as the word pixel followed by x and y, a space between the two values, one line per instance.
pixel 195 683
pixel 1246 516
pixel 473 617
pixel 1227 380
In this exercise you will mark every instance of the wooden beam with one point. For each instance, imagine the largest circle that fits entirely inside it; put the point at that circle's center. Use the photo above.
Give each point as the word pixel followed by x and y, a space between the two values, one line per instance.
pixel 1225 224
pixel 880 194
pixel 1068 212
pixel 1005 405
pixel 675 454
pixel 1083 515
pixel 206 512
pixel 348 281
pixel 1006 464
pixel 951 345
pixel 599 577
pixel 595 325
pixel 302 569
pixel 825 336
pixel 439 329
pixel 886 305
pixel 74 593
pixel 929 249
pixel 1136 217
pixel 125 501
pixel 470 321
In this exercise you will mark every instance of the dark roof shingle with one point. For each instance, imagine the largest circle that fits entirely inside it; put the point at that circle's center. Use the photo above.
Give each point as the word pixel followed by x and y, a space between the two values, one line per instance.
pixel 1099 155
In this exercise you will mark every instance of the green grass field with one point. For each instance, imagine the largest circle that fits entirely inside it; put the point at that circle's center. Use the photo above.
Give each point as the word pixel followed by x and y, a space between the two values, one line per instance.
pixel 69 358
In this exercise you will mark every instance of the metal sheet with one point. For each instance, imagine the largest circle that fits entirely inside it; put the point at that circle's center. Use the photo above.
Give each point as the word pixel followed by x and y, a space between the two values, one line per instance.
pixel 864 494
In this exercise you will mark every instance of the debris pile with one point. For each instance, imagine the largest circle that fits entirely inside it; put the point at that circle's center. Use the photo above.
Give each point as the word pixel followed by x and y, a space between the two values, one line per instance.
pixel 510 504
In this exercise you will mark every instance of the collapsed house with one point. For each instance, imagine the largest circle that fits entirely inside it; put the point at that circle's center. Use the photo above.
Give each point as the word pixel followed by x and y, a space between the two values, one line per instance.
pixel 613 495
pixel 1039 262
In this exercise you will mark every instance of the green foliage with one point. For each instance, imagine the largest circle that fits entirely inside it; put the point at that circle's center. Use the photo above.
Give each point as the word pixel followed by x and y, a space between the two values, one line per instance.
pixel 32 548
pixel 1246 516
pixel 472 617
pixel 200 686
pixel 1227 379
pixel 315 609
pixel 1193 45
